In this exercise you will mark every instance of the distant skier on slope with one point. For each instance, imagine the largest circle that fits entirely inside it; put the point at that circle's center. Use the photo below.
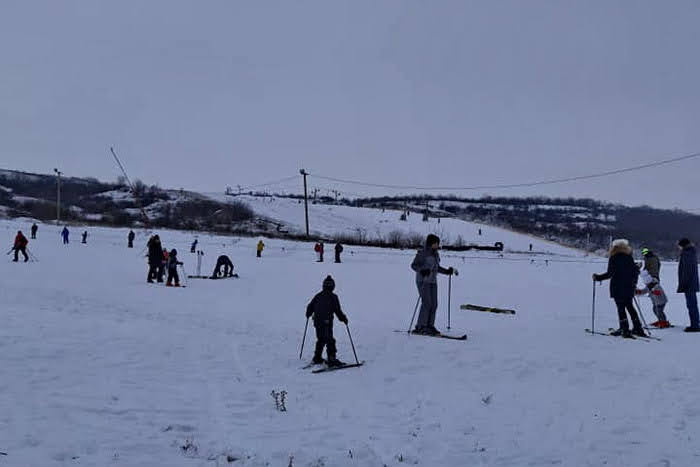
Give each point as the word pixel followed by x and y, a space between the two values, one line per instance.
pixel 20 246
pixel 623 275
pixel 338 251
pixel 85 234
pixel 323 307
pixel 426 264
pixel 64 234
pixel 34 230
pixel 318 248
pixel 130 238
pixel 260 248
pixel 656 293
pixel 173 263
pixel 223 262
pixel 193 247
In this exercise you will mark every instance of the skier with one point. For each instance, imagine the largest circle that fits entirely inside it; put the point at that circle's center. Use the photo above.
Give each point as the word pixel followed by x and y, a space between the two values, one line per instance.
pixel 656 293
pixel 319 249
pixel 172 269
pixel 34 229
pixel 163 264
pixel 426 264
pixel 193 248
pixel 688 282
pixel 260 248
pixel 623 275
pixel 20 246
pixel 84 237
pixel 65 233
pixel 223 262
pixel 130 238
pixel 323 307
pixel 155 258
pixel 652 263
pixel 338 251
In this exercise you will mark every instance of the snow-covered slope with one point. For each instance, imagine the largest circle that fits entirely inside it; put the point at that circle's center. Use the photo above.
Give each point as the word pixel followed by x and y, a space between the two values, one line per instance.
pixel 329 220
pixel 99 368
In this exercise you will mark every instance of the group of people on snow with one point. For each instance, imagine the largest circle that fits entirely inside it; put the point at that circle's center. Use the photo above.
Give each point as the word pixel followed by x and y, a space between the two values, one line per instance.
pixel 319 249
pixel 624 274
pixel 161 260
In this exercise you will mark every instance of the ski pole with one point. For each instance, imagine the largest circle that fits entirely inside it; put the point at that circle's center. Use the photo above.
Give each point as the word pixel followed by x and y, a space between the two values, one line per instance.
pixel 352 343
pixel 641 315
pixel 303 339
pixel 449 300
pixel 414 314
pixel 11 250
pixel 593 311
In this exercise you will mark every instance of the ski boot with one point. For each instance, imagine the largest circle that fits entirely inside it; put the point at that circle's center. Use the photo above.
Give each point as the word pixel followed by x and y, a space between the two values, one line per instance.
pixel 317 360
pixel 621 333
pixel 334 363
pixel 639 331
pixel 433 331
pixel 692 329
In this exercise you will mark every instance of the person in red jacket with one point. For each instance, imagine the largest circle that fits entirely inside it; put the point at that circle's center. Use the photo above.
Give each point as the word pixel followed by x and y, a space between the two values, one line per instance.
pixel 21 243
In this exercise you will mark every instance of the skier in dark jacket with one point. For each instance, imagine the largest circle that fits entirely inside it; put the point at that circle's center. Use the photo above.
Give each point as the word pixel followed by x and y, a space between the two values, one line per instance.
pixel 193 248
pixel 652 264
pixel 426 264
pixel 223 262
pixel 85 237
pixel 64 234
pixel 155 257
pixel 688 283
pixel 131 238
pixel 323 307
pixel 173 263
pixel 34 230
pixel 20 246
pixel 623 274
pixel 338 251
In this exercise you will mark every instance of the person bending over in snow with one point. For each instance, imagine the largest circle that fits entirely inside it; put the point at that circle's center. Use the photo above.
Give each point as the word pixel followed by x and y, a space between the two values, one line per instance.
pixel 172 269
pixel 623 274
pixel 223 262
pixel 658 299
pixel 323 307
pixel 426 264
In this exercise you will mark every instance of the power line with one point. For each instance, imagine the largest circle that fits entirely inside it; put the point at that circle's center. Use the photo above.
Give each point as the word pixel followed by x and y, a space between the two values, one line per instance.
pixel 274 182
pixel 514 185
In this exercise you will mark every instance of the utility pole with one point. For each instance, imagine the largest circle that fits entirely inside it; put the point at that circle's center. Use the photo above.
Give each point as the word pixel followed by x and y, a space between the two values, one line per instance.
pixel 306 200
pixel 58 195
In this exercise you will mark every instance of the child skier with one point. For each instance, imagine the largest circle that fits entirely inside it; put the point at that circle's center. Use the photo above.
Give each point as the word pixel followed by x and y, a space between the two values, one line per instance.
pixel 172 269
pixel 323 307
pixel 658 299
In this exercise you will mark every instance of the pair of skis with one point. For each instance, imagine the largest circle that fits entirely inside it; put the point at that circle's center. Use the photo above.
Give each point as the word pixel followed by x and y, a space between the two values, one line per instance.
pixel 633 337
pixel 462 337
pixel 323 369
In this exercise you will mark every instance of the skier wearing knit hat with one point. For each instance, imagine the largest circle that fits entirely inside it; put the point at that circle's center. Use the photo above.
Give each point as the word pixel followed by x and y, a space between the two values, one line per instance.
pixel 323 307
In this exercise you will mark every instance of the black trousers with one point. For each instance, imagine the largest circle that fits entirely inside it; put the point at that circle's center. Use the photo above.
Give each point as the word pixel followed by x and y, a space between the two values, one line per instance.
pixel 153 272
pixel 173 275
pixel 337 257
pixel 324 338
pixel 24 252
pixel 625 304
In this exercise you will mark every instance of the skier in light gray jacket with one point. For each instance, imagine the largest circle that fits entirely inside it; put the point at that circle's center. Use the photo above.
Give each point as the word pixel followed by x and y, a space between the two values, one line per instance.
pixel 426 264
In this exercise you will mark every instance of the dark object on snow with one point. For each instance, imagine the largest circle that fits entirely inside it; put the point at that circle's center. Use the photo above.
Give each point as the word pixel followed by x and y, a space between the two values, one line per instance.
pixel 130 238
pixel 64 234
pixel 223 262
pixel 338 251
pixel 85 234
pixel 193 248
pixel 688 281
pixel 488 309
pixel 34 230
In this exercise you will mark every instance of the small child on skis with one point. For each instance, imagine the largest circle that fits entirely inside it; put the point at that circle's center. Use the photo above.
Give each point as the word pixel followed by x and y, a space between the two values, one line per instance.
pixel 658 299
pixel 323 307
pixel 172 269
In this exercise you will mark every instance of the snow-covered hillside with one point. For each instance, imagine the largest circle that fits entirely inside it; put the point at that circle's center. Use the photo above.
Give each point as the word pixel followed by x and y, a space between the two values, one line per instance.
pixel 330 220
pixel 101 369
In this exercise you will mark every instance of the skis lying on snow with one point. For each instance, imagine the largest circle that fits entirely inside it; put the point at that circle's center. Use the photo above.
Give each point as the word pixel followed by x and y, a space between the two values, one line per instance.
pixel 488 309
pixel 235 276
pixel 342 367
pixel 463 337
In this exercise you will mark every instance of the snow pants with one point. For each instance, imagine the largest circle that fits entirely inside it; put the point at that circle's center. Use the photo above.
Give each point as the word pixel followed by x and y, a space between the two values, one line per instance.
pixel 691 301
pixel 22 250
pixel 173 275
pixel 153 271
pixel 626 304
pixel 429 303
pixel 324 338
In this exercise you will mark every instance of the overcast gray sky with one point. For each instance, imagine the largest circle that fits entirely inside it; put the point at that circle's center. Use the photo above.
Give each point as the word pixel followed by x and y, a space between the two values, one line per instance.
pixel 202 95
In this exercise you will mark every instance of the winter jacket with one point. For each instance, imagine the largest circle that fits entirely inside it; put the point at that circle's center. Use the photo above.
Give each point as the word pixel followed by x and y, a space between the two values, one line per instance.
pixel 323 307
pixel 21 241
pixel 338 248
pixel 261 246
pixel 155 252
pixel 132 235
pixel 427 259
pixel 64 232
pixel 172 261
pixel 652 265
pixel 688 271
pixel 622 272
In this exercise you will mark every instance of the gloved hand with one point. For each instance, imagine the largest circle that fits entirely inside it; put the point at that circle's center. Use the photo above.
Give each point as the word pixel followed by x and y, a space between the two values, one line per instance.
pixel 309 314
pixel 425 272
pixel 450 271
pixel 595 277
pixel 344 320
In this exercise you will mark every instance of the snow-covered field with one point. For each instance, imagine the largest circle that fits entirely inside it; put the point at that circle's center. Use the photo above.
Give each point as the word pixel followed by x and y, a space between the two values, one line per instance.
pixel 329 220
pixel 101 369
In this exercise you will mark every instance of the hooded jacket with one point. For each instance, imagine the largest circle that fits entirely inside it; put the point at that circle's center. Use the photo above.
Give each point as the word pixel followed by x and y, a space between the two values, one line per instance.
pixel 688 271
pixel 622 272
pixel 325 305
pixel 653 265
